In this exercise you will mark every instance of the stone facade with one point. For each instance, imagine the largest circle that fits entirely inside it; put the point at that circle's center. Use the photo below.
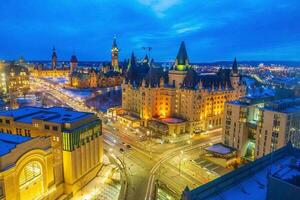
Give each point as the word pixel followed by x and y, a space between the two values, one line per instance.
pixel 152 92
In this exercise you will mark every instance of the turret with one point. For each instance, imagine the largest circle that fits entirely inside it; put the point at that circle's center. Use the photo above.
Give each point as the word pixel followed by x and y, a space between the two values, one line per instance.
pixel 235 79
pixel 235 70
pixel 200 85
pixel 73 63
pixel 54 59
pixel 182 60
pixel 179 70
pixel 162 82
pixel 143 83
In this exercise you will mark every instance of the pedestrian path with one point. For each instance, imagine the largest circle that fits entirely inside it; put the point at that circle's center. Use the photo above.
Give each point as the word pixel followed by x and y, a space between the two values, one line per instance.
pixel 102 187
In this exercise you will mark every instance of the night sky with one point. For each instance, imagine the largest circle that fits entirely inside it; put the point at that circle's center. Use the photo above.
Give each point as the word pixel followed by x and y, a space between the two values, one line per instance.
pixel 212 29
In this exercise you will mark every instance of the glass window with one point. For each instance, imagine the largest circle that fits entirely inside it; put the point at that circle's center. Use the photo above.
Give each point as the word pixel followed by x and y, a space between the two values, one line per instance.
pixel 31 171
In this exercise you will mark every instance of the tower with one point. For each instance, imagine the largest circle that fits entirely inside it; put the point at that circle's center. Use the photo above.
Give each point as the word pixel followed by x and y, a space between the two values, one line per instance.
pixel 74 63
pixel 235 71
pixel 182 60
pixel 54 59
pixel 114 55
pixel 177 74
pixel 236 82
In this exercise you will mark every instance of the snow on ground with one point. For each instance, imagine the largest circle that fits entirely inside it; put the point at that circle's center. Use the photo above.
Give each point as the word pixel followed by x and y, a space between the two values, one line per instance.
pixel 58 80
pixel 77 93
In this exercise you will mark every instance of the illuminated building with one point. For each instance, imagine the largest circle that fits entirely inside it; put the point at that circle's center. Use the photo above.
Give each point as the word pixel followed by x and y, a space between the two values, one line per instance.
pixel 272 177
pixel 14 79
pixel 92 78
pixel 27 168
pixel 73 63
pixel 76 140
pixel 257 128
pixel 180 100
pixel 114 55
pixel 108 76
pixel 14 82
pixel 54 70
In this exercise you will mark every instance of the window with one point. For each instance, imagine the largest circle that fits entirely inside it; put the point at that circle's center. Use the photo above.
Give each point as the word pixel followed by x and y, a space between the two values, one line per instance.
pixel 7 121
pixel 1 120
pixel 47 127
pixel 1 190
pixel 55 128
pixel 31 171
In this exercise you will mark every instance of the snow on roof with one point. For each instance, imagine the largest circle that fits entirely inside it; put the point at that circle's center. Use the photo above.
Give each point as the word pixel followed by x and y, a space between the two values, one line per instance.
pixel 220 149
pixel 54 114
pixel 9 142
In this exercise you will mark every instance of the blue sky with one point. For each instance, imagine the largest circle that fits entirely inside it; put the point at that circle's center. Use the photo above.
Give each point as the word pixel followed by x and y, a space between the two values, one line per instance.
pixel 212 29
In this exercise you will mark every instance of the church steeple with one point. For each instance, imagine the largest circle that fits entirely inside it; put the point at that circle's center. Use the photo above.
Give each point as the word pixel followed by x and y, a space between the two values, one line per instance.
pixel 132 59
pixel 73 63
pixel 182 60
pixel 114 55
pixel 54 59
pixel 235 70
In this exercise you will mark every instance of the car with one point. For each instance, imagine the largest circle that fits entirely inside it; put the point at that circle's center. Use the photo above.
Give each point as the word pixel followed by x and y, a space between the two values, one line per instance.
pixel 122 150
pixel 128 146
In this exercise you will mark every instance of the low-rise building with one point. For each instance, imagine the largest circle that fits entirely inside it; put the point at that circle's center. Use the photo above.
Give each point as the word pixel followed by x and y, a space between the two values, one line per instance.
pixel 257 128
pixel 27 168
pixel 54 70
pixel 76 140
pixel 14 79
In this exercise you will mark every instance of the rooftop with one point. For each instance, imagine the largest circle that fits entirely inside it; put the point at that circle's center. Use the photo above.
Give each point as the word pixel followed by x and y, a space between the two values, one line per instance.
pixel 9 142
pixel 171 120
pixel 54 114
pixel 220 149
pixel 251 180
pixel 287 105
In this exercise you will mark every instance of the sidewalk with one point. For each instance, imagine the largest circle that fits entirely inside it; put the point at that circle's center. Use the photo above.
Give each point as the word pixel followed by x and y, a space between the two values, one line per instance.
pixel 102 187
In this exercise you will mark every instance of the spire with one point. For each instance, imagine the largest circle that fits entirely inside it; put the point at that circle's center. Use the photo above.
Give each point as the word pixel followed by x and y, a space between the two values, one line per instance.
pixel 182 59
pixel 115 46
pixel 53 52
pixel 132 59
pixel 54 59
pixel 235 67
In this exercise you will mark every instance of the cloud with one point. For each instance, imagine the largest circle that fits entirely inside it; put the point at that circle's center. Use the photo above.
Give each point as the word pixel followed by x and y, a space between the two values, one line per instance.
pixel 159 7
pixel 213 30
pixel 187 27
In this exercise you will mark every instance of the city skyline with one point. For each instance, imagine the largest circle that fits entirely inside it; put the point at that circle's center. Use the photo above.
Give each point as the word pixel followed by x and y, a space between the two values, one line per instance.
pixel 249 31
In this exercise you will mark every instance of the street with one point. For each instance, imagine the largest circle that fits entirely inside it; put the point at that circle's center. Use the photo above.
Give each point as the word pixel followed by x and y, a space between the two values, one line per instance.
pixel 145 164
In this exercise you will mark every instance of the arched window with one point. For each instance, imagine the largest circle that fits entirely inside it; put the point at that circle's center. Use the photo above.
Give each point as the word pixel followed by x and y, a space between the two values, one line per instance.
pixel 31 171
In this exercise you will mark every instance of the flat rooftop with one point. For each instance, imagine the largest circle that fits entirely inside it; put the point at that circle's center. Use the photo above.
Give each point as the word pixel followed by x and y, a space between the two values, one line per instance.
pixel 287 105
pixel 172 120
pixel 220 149
pixel 54 114
pixel 9 142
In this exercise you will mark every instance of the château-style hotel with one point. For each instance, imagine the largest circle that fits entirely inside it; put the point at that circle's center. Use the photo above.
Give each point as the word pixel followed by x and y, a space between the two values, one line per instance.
pixel 179 100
